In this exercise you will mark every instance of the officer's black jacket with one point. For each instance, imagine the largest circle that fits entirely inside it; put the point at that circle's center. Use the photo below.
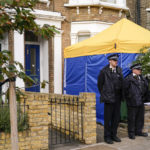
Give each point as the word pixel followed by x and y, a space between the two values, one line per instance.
pixel 110 89
pixel 135 92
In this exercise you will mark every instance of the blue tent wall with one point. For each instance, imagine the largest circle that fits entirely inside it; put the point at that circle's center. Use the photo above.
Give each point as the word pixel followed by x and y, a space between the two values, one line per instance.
pixel 81 75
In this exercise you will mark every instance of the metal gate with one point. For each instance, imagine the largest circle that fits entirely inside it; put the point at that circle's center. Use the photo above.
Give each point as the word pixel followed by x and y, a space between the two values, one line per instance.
pixel 66 121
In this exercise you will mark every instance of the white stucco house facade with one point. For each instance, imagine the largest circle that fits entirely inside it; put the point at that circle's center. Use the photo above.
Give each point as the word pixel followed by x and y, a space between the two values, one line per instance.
pixel 22 46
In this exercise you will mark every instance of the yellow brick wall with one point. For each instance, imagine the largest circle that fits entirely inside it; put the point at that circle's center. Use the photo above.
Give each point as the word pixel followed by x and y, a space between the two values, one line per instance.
pixel 147 119
pixel 37 137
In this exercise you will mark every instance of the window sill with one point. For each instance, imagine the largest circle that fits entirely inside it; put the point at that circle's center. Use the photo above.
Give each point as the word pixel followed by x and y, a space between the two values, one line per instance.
pixel 99 4
pixel 43 1
pixel 148 9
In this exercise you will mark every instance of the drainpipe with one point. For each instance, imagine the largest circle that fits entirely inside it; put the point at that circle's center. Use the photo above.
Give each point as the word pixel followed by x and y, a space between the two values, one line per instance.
pixel 53 5
pixel 138 9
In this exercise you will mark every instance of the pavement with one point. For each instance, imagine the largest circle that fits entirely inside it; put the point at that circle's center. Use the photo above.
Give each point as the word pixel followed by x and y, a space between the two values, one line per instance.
pixel 140 143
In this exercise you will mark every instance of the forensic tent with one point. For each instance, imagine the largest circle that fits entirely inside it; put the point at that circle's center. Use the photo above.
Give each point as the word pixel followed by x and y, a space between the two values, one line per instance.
pixel 84 60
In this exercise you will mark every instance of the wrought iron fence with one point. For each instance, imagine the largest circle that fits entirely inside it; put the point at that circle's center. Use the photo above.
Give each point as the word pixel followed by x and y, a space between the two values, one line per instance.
pixel 22 116
pixel 66 121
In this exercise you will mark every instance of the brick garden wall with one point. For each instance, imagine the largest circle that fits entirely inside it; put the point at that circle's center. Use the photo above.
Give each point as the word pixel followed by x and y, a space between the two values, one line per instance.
pixel 147 119
pixel 37 137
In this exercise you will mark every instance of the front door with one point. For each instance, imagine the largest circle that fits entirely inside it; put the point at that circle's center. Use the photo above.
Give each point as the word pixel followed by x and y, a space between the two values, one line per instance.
pixel 32 66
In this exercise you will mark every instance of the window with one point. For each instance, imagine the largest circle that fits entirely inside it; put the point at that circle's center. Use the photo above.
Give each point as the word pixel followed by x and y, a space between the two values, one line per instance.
pixel 80 1
pixel 83 36
pixel 109 1
pixel 91 2
pixel 148 20
pixel 30 37
pixel 43 1
pixel 33 61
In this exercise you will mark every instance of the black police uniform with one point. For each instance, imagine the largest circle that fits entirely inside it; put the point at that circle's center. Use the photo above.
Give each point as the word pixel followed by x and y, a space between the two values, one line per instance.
pixel 110 88
pixel 135 92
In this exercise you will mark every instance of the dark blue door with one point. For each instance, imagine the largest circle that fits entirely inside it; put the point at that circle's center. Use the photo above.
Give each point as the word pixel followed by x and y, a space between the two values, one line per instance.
pixel 32 66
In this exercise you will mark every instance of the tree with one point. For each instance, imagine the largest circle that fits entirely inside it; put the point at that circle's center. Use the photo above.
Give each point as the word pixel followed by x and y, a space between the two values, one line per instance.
pixel 144 60
pixel 17 15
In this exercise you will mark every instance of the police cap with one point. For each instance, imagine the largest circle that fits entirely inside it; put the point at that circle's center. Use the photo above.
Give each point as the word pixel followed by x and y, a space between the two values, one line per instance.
pixel 113 57
pixel 136 66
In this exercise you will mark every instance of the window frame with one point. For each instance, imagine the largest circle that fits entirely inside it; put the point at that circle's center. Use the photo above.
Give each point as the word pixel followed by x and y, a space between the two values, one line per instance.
pixel 120 4
pixel 115 1
pixel 43 1
pixel 83 33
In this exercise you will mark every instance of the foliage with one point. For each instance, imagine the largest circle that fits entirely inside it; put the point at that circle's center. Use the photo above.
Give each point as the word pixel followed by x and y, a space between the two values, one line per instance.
pixel 17 15
pixel 5 119
pixel 144 60
pixel 7 69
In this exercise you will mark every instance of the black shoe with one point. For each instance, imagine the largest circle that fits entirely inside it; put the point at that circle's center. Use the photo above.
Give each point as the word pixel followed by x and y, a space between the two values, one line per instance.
pixel 116 139
pixel 132 137
pixel 142 134
pixel 109 141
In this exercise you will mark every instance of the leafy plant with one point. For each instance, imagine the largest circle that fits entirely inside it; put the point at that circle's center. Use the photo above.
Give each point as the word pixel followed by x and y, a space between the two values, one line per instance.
pixel 144 60
pixel 5 119
pixel 11 70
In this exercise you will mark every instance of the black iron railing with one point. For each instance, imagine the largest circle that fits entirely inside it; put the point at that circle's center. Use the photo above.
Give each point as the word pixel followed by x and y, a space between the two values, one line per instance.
pixel 66 120
pixel 22 116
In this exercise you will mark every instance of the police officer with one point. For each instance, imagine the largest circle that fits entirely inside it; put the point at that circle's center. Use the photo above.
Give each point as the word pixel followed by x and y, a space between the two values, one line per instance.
pixel 135 91
pixel 110 82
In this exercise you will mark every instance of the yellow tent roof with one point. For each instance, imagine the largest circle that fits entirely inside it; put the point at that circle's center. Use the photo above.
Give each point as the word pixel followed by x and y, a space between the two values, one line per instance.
pixel 121 37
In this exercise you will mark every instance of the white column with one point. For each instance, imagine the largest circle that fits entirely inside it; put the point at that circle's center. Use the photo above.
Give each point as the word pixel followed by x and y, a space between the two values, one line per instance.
pixel 44 64
pixel 19 54
pixel 58 64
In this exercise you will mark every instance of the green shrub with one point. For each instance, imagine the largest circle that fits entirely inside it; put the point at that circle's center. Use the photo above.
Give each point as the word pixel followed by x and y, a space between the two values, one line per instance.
pixel 22 119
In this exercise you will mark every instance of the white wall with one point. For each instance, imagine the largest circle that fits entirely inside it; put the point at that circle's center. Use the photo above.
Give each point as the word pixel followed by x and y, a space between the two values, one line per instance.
pixel 57 64
pixel 93 27
pixel 44 64
pixel 19 54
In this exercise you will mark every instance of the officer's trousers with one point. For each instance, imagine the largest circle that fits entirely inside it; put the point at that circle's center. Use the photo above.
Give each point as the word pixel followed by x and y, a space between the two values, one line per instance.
pixel 111 119
pixel 135 119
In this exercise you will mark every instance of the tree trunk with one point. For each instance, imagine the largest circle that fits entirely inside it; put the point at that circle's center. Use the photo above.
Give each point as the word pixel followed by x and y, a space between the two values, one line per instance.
pixel 12 99
pixel 13 116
